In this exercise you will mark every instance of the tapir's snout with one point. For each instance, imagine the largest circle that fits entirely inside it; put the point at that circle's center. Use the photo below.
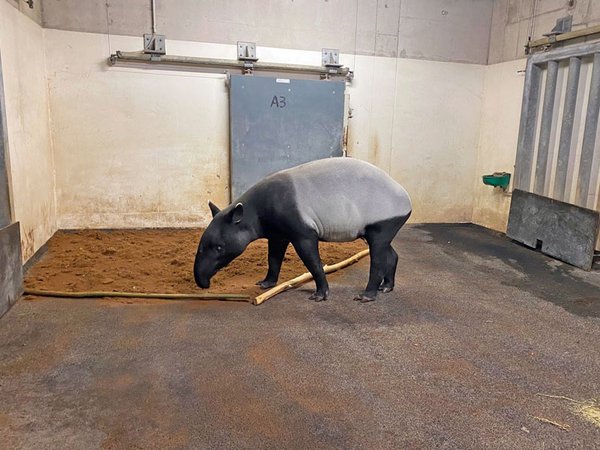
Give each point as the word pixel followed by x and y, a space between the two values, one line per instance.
pixel 201 280
pixel 201 275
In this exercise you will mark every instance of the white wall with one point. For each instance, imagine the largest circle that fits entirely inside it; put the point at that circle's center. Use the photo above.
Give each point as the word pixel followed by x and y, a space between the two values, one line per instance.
pixel 31 167
pixel 437 121
pixel 133 148
pixel 419 120
pixel 141 148
pixel 501 110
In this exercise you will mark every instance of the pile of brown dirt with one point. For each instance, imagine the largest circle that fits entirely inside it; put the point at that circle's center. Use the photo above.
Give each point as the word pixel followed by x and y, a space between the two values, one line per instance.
pixel 157 261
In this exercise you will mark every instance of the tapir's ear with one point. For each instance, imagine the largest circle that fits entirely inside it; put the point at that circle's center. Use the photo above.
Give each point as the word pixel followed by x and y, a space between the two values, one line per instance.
pixel 238 213
pixel 214 209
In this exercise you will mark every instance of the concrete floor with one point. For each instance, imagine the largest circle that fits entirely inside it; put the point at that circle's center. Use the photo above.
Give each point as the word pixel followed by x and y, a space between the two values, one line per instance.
pixel 453 358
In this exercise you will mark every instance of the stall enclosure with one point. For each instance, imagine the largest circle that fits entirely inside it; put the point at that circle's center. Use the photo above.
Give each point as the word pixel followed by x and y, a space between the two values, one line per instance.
pixel 558 156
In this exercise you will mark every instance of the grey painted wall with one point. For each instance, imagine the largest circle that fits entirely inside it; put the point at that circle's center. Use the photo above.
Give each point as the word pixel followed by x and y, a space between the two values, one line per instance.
pixel 514 20
pixel 443 30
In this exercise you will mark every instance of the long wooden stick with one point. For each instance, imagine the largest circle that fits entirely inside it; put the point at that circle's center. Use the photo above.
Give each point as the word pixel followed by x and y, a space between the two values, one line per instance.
pixel 60 294
pixel 305 277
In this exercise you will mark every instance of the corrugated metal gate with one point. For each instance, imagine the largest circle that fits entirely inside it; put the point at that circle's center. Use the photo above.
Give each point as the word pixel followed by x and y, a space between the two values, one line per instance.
pixel 559 126
pixel 558 154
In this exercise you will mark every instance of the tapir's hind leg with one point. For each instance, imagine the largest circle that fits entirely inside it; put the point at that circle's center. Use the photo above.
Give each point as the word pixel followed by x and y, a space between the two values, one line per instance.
pixel 378 255
pixel 277 248
pixel 383 257
pixel 387 284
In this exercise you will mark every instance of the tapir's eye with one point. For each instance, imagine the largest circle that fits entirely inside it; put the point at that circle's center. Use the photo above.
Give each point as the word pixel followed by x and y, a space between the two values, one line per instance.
pixel 219 248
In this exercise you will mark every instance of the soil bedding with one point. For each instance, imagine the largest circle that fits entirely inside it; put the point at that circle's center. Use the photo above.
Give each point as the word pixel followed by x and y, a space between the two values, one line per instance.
pixel 157 260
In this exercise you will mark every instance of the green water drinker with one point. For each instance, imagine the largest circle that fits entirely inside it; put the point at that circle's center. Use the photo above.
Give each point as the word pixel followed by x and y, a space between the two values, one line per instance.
pixel 497 179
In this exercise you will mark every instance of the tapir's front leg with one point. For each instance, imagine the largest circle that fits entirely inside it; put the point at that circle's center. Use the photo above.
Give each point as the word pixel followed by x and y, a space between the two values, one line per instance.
pixel 277 248
pixel 378 256
pixel 308 250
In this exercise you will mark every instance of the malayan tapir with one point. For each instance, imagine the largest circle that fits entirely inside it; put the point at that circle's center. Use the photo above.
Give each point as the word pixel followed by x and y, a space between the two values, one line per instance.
pixel 334 200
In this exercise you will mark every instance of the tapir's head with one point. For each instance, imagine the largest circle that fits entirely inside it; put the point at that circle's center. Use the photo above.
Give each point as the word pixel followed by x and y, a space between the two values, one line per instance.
pixel 225 239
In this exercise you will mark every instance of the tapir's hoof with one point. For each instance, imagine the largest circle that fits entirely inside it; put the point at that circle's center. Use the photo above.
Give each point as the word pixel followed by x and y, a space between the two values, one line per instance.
pixel 385 289
pixel 266 284
pixel 363 298
pixel 318 297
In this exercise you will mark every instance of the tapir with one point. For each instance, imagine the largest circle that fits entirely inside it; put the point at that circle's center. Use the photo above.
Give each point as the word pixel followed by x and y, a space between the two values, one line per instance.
pixel 334 200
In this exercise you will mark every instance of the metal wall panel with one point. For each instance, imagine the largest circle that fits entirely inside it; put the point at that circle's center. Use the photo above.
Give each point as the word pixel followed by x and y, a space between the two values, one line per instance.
pixel 11 272
pixel 561 230
pixel 4 194
pixel 277 123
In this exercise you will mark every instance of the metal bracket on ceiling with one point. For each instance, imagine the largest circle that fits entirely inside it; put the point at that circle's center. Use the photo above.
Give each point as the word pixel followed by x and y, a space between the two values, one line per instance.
pixel 246 52
pixel 155 45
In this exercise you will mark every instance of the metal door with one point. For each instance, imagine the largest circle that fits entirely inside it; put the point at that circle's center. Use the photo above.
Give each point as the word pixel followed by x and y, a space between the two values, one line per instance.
pixel 278 123
pixel 557 167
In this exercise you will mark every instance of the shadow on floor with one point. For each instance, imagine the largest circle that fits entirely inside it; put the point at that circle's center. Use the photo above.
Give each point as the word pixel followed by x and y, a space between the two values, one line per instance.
pixel 574 289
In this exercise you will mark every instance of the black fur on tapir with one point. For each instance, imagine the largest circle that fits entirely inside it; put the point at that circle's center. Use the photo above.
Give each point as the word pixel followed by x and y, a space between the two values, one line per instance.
pixel 335 199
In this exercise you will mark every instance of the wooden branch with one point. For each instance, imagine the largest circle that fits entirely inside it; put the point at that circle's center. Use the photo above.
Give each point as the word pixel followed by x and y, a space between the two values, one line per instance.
pixel 305 277
pixel 60 294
